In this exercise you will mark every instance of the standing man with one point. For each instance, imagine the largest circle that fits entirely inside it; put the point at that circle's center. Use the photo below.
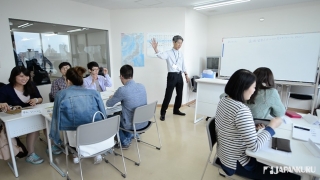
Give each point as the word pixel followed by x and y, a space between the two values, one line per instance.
pixel 175 65
pixel 131 95
pixel 95 81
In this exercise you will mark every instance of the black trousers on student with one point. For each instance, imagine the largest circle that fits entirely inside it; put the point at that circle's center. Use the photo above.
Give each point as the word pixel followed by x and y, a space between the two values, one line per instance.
pixel 174 80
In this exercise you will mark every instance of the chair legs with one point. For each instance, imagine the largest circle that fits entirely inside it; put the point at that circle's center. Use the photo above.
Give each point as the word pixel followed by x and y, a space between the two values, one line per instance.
pixel 207 162
pixel 160 145
pixel 137 146
pixel 66 152
pixel 124 175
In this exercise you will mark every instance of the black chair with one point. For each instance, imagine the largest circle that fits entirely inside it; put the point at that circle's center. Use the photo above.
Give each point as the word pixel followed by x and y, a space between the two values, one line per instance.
pixel 194 83
pixel 212 138
pixel 51 99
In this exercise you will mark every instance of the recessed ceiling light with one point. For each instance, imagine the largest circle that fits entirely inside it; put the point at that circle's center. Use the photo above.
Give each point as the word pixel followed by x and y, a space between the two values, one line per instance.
pixel 219 4
pixel 74 30
pixel 261 19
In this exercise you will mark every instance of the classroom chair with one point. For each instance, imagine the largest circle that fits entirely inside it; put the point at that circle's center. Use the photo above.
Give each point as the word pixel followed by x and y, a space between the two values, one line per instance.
pixel 94 139
pixel 143 114
pixel 212 139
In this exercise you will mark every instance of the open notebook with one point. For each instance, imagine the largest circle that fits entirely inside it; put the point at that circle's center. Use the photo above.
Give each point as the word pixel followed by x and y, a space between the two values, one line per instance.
pixel 305 133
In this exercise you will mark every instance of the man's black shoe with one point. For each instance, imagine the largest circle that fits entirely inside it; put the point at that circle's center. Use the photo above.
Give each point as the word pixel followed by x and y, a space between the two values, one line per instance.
pixel 179 113
pixel 162 117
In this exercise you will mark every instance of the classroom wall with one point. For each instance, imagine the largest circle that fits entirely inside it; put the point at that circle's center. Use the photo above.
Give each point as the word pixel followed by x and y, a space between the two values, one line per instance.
pixel 196 33
pixel 57 11
pixel 157 20
pixel 296 18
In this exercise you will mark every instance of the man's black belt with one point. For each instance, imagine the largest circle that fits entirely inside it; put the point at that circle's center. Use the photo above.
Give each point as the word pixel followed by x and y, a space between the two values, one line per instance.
pixel 175 72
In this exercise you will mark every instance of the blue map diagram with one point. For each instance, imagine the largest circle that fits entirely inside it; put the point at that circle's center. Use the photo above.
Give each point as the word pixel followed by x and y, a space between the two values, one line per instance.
pixel 132 49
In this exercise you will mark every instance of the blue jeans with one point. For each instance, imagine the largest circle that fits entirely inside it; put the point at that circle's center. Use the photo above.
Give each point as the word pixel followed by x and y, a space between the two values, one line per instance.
pixel 125 137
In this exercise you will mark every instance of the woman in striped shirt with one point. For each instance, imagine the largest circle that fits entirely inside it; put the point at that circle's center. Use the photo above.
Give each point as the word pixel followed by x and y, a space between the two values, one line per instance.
pixel 236 130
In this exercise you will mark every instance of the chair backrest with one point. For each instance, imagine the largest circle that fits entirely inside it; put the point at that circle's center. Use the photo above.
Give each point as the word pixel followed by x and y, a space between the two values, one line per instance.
pixel 194 83
pixel 211 131
pixel 51 99
pixel 144 113
pixel 97 131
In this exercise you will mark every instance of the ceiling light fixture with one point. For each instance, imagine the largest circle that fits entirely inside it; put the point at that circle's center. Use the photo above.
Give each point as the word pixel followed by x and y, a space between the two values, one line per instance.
pixel 74 30
pixel 224 3
pixel 26 25
pixel 23 25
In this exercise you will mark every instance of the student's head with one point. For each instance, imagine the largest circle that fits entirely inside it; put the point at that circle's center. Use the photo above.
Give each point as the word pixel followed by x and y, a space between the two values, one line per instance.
pixel 93 68
pixel 265 80
pixel 74 76
pixel 264 77
pixel 2 84
pixel 177 42
pixel 21 76
pixel 126 73
pixel 241 85
pixel 64 66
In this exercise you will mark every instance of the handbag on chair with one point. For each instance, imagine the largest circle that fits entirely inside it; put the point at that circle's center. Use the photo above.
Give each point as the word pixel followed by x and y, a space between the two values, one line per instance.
pixel 88 150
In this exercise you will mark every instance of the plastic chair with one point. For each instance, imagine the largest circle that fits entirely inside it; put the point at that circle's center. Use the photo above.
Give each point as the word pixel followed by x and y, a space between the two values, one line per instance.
pixel 143 114
pixel 95 139
pixel 212 138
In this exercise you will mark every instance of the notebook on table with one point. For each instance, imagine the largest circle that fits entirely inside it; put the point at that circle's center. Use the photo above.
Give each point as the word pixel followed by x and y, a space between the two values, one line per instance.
pixel 305 133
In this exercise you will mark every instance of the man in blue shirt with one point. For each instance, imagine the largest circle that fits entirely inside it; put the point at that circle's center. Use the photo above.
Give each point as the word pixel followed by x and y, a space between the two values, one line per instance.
pixel 95 81
pixel 131 96
pixel 176 67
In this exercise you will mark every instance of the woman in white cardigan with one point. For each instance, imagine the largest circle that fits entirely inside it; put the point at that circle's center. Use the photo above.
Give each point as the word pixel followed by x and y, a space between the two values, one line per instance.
pixel 236 130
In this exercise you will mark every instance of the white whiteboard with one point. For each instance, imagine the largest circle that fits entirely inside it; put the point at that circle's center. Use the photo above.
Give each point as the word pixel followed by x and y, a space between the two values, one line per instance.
pixel 292 57
pixel 164 42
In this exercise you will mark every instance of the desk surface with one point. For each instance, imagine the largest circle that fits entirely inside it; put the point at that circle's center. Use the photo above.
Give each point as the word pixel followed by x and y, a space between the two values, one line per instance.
pixel 212 81
pixel 11 117
pixel 300 155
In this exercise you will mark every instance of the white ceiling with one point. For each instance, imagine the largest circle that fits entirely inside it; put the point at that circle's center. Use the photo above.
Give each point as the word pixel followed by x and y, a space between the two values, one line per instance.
pixel 137 4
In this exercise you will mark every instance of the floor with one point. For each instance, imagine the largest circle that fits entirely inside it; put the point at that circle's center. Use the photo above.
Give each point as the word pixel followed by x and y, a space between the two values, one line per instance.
pixel 182 157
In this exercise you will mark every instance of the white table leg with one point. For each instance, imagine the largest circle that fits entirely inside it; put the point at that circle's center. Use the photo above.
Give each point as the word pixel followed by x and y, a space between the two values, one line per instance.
pixel 50 152
pixel 14 168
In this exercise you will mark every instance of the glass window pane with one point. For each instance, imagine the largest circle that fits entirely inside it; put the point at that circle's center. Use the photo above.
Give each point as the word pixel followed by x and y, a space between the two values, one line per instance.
pixel 56 49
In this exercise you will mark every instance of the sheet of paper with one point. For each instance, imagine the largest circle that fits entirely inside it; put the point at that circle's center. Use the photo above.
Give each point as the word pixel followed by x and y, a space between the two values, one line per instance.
pixel 286 120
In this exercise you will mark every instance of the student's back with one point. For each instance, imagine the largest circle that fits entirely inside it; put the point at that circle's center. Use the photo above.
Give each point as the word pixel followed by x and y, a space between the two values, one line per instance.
pixel 267 104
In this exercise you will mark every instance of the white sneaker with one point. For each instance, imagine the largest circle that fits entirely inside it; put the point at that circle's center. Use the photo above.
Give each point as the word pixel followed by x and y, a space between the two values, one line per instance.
pixel 76 160
pixel 97 159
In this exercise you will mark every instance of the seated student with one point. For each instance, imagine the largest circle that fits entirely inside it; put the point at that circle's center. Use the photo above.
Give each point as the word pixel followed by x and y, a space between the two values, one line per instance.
pixel 22 92
pixel 131 96
pixel 75 106
pixel 95 81
pixel 265 103
pixel 236 131
pixel 60 83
